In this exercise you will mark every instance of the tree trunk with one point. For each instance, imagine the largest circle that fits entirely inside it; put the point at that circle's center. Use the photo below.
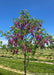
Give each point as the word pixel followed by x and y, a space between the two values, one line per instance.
pixel 25 63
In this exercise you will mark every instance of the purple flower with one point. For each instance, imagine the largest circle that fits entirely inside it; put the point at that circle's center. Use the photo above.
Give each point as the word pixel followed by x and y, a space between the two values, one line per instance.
pixel 42 45
pixel 29 50
pixel 12 27
pixel 15 39
pixel 22 36
pixel 12 36
pixel 35 42
pixel 27 25
pixel 22 25
pixel 24 22
pixel 38 28
pixel 46 41
pixel 30 30
pixel 17 24
pixel 38 42
pixel 40 37
pixel 10 41
pixel 47 38
pixel 33 27
pixel 19 36
pixel 37 36
pixel 16 51
pixel 11 50
pixel 32 34
pixel 24 48
pixel 14 44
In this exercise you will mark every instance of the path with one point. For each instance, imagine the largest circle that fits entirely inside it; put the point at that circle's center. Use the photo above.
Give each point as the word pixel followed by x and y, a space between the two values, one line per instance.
pixel 43 62
pixel 34 61
pixel 39 61
pixel 13 70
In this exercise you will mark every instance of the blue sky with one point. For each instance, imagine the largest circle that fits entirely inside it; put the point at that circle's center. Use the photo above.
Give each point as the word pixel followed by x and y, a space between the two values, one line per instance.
pixel 39 9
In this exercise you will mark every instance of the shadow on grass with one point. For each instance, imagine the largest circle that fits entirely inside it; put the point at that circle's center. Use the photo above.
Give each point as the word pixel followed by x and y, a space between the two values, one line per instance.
pixel 1 74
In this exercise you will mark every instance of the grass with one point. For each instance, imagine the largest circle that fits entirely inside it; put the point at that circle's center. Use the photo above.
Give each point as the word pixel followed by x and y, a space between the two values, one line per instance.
pixel 33 66
pixel 41 55
pixel 32 59
pixel 8 60
pixel 6 72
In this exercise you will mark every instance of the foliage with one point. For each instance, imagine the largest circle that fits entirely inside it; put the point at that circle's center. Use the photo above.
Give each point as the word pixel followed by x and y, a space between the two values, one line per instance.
pixel 4 46
pixel 0 43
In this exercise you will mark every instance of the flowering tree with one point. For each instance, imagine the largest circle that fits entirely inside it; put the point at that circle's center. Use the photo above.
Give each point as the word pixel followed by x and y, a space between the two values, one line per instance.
pixel 26 34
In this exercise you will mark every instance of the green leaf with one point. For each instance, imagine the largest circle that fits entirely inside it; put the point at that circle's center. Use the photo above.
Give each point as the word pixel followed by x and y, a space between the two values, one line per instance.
pixel 13 20
pixel 22 12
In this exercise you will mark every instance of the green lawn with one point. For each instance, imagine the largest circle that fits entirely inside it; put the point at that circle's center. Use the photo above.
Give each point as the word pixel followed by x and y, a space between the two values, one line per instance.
pixel 12 61
pixel 32 68
pixel 6 72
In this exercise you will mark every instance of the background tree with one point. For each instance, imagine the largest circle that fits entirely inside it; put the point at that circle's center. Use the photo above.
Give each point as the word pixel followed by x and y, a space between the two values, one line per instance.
pixel 4 46
pixel 0 43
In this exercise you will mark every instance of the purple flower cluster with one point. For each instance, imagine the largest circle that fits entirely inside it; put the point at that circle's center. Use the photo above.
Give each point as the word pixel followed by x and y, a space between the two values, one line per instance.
pixel 15 51
pixel 38 37
pixel 29 50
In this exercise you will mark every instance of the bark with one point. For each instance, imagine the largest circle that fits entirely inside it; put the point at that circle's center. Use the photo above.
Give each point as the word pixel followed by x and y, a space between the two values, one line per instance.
pixel 25 63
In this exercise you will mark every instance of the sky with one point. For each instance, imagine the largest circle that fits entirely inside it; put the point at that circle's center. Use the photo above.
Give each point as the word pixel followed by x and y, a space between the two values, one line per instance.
pixel 39 9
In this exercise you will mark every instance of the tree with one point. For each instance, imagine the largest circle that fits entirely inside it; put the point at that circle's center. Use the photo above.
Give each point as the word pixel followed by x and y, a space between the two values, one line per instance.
pixel 4 46
pixel 51 43
pixel 26 34
pixel 0 43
